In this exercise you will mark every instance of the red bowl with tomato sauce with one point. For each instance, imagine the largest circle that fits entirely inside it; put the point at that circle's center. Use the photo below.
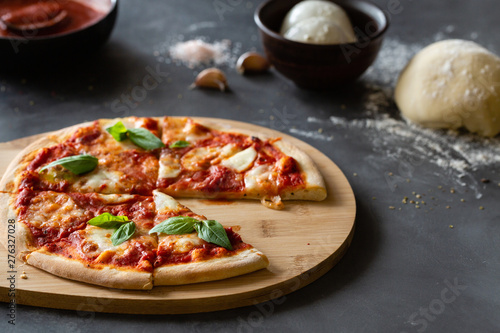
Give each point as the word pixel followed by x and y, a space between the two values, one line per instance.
pixel 35 31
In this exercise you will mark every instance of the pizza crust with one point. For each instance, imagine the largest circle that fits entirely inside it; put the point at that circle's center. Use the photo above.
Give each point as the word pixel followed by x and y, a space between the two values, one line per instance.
pixel 6 213
pixel 21 161
pixel 75 270
pixel 22 234
pixel 8 183
pixel 315 189
pixel 244 262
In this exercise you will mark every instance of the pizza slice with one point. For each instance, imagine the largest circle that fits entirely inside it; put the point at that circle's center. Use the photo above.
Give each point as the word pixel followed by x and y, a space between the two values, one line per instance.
pixel 201 161
pixel 89 237
pixel 192 249
pixel 110 240
pixel 106 156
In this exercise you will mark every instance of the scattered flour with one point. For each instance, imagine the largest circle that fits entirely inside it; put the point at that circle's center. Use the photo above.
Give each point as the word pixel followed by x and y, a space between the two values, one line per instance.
pixel 198 52
pixel 380 79
pixel 312 135
pixel 447 149
pixel 456 154
pixel 391 60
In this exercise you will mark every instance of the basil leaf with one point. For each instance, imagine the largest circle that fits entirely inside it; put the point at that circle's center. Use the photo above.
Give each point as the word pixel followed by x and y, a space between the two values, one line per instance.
pixel 177 225
pixel 213 232
pixel 108 221
pixel 77 164
pixel 144 138
pixel 123 233
pixel 118 131
pixel 179 144
pixel 139 136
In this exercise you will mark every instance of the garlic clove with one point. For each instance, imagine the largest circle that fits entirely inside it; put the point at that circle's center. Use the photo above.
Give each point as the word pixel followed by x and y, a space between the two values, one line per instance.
pixel 252 62
pixel 211 78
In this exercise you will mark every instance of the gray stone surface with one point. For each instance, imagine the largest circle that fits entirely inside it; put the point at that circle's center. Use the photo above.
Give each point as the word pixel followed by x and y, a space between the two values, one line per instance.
pixel 406 271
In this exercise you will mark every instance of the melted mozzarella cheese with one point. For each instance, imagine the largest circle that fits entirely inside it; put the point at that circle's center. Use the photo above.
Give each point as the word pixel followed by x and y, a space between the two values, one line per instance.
pixel 180 243
pixel 193 132
pixel 126 144
pixel 100 237
pixel 197 158
pixel 114 199
pixel 170 167
pixel 241 161
pixel 228 150
pixel 165 202
pixel 53 209
pixel 98 179
pixel 202 157
pixel 257 176
pixel 130 122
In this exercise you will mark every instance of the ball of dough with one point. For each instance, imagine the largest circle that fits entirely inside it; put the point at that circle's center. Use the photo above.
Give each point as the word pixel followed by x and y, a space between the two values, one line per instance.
pixel 307 10
pixel 452 84
pixel 316 30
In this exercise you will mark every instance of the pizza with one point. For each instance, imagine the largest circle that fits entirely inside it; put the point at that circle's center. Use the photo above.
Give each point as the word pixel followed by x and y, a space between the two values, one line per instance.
pixel 234 165
pixel 97 202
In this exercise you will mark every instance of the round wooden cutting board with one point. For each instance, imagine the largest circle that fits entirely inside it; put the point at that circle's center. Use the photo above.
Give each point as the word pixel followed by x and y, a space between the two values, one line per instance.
pixel 302 242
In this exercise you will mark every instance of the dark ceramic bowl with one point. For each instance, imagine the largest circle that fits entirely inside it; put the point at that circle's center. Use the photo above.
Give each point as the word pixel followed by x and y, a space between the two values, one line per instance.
pixel 315 66
pixel 32 49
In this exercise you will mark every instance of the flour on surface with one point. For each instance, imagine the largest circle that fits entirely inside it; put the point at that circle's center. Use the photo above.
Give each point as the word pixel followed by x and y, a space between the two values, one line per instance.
pixel 198 52
pixel 458 155
pixel 312 135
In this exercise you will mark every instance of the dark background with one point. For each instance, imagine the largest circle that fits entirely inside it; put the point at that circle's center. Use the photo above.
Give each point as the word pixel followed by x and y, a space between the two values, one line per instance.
pixel 397 274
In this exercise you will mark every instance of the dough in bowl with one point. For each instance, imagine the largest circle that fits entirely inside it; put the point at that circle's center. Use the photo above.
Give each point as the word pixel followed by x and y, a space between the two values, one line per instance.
pixel 318 22
pixel 317 30
pixel 452 84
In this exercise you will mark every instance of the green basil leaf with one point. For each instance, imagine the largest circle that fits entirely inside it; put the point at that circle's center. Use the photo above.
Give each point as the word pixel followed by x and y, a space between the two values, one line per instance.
pixel 144 138
pixel 118 131
pixel 213 232
pixel 123 233
pixel 177 225
pixel 77 164
pixel 179 144
pixel 108 221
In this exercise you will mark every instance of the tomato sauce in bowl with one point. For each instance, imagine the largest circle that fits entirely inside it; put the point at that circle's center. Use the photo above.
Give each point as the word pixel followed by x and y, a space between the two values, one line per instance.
pixel 37 33
pixel 30 14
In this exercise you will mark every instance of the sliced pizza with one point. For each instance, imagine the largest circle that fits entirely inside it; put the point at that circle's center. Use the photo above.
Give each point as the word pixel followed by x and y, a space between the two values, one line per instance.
pixel 126 156
pixel 199 161
pixel 93 202
pixel 94 158
pixel 110 240
pixel 89 237
pixel 192 249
